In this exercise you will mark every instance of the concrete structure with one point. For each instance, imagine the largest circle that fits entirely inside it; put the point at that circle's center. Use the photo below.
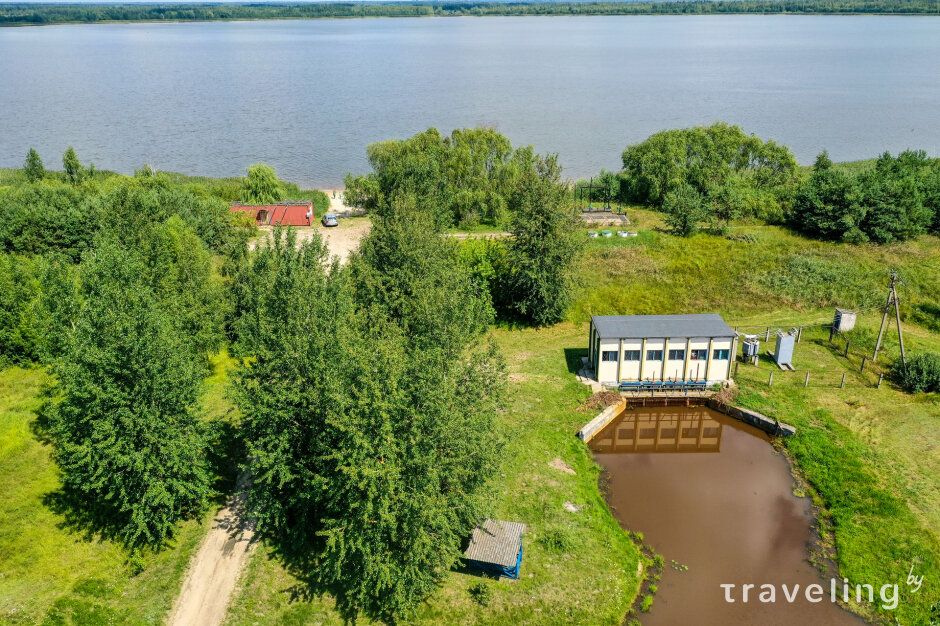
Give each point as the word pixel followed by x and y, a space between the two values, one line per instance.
pixel 636 348
pixel 284 213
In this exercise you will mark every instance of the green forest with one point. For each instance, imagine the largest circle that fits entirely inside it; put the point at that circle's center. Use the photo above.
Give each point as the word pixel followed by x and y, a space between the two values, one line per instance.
pixel 34 14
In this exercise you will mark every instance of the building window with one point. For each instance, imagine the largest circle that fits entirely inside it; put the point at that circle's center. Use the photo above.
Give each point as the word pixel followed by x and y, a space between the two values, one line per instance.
pixel 654 355
pixel 677 355
pixel 631 355
pixel 698 355
pixel 721 355
pixel 609 355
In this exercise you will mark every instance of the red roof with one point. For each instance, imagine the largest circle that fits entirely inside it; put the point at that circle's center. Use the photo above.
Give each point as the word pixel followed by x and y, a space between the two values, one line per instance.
pixel 286 214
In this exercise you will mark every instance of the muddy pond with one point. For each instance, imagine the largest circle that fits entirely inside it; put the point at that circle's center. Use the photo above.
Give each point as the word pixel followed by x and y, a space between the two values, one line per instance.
pixel 711 494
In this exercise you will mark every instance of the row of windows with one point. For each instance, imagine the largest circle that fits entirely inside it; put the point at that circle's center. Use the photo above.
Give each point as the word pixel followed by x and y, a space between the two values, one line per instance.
pixel 674 355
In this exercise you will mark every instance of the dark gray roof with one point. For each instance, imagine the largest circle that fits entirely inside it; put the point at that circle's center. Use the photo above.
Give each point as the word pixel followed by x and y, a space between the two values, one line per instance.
pixel 640 326
pixel 496 542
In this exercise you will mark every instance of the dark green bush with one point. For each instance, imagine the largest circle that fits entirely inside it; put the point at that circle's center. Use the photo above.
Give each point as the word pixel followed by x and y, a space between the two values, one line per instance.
pixel 922 373
pixel 481 593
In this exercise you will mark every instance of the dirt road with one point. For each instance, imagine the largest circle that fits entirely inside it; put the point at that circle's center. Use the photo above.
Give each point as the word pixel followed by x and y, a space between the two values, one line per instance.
pixel 340 240
pixel 214 570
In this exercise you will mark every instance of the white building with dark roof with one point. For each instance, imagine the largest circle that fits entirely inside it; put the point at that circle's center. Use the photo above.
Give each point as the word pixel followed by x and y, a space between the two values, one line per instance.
pixel 684 348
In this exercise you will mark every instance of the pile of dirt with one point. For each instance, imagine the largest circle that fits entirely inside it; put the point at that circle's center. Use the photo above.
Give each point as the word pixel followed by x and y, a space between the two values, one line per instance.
pixel 600 401
pixel 726 395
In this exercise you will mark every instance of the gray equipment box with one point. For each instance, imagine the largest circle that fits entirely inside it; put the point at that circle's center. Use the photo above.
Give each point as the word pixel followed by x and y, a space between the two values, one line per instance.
pixel 843 320
pixel 783 354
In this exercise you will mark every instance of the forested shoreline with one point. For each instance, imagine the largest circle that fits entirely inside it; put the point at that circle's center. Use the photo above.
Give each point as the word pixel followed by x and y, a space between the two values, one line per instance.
pixel 31 14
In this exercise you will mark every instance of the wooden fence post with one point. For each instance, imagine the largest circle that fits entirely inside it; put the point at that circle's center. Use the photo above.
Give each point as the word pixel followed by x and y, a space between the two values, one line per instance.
pixel 770 383
pixel 864 358
pixel 847 344
pixel 806 382
pixel 842 386
pixel 735 369
pixel 767 336
pixel 880 378
pixel 799 335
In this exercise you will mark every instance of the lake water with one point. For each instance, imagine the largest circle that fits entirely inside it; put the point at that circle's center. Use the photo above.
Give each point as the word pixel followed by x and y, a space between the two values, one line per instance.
pixel 309 96
pixel 711 494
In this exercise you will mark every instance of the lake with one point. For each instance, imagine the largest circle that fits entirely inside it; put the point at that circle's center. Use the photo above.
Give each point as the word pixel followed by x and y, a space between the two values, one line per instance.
pixel 309 96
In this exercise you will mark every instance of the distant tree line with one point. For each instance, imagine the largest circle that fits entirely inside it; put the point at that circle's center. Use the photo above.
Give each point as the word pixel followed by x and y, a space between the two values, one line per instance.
pixel 33 14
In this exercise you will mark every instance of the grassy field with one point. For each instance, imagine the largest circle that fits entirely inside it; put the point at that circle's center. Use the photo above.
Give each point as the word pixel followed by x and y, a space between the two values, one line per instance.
pixel 51 570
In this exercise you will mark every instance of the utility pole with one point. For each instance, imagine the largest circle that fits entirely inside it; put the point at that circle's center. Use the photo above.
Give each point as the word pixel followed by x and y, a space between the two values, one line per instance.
pixel 892 300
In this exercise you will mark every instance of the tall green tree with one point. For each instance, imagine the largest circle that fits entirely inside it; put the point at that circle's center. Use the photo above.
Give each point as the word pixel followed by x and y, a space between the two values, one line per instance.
pixel 827 204
pixel 685 210
pixel 546 242
pixel 370 452
pixel 893 201
pixel 75 172
pixel 123 425
pixel 261 186
pixel 33 167
pixel 407 272
pixel 19 292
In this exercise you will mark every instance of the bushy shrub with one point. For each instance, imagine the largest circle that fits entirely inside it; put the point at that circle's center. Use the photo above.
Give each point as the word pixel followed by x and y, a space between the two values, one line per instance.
pixel 481 593
pixel 921 374
pixel 685 210
pixel 558 540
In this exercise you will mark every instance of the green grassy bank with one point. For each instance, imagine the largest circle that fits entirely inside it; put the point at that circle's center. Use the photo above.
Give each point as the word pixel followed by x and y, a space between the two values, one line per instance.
pixel 53 570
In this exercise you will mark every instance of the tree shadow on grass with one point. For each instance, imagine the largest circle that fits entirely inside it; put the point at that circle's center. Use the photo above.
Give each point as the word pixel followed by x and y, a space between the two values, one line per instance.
pixel 303 567
pixel 81 515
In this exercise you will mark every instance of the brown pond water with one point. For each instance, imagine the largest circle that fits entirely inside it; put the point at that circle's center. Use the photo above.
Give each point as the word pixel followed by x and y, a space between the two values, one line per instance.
pixel 711 493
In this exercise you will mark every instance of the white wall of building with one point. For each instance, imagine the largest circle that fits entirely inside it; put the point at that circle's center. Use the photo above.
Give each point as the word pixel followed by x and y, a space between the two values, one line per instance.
pixel 685 368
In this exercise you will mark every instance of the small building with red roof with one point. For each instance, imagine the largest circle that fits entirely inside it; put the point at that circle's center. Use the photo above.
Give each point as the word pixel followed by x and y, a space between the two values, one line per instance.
pixel 283 213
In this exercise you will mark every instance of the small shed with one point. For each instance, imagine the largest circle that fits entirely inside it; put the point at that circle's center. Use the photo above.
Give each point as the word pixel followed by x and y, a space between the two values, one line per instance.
pixel 496 548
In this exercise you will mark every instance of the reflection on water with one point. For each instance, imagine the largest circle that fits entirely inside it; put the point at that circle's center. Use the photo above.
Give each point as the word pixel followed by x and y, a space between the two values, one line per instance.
pixel 675 430
pixel 730 516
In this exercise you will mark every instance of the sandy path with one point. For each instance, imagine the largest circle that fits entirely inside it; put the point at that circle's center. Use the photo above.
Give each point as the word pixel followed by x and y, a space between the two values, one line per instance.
pixel 214 570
